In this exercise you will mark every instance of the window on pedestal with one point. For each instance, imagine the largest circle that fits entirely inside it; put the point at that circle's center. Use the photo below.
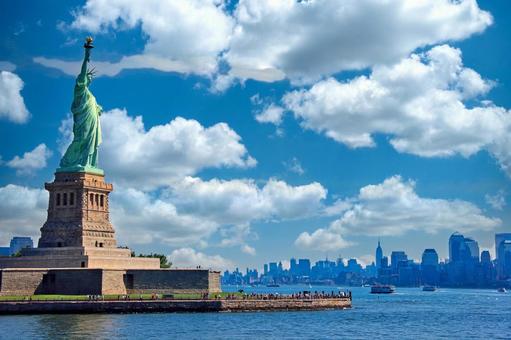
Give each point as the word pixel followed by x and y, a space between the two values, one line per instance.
pixel 64 199
pixel 71 198
pixel 91 199
pixel 102 201
pixel 58 199
pixel 97 200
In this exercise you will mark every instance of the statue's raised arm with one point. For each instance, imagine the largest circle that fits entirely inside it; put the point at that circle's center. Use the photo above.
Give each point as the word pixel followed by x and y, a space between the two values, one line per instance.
pixel 84 71
pixel 82 154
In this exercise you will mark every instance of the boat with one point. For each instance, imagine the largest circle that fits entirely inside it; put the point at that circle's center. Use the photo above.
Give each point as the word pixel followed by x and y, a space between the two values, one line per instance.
pixel 428 288
pixel 382 289
pixel 502 290
pixel 272 285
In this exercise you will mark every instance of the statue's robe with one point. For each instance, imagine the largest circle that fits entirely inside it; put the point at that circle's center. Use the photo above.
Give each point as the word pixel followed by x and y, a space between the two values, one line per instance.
pixel 83 151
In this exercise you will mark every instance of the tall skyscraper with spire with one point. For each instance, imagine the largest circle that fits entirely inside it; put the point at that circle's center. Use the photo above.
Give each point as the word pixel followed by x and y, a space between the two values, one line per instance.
pixel 378 257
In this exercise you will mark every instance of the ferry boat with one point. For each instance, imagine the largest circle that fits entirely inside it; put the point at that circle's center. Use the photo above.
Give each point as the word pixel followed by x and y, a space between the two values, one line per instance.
pixel 272 285
pixel 502 290
pixel 382 289
pixel 428 288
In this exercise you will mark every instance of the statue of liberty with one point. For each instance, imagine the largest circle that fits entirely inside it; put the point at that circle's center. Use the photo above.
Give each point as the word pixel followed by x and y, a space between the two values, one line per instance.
pixel 82 154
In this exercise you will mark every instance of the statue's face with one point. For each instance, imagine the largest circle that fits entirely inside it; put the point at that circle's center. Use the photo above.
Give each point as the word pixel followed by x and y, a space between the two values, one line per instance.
pixel 89 78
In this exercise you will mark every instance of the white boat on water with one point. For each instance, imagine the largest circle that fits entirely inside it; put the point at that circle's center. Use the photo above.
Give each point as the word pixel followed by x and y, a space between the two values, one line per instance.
pixel 502 290
pixel 382 289
pixel 428 288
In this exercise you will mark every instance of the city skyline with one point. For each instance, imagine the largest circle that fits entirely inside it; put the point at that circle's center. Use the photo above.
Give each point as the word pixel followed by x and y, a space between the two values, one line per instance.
pixel 223 154
pixel 286 263
pixel 467 267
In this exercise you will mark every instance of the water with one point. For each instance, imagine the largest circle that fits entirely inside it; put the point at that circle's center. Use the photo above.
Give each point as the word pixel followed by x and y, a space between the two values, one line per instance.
pixel 407 314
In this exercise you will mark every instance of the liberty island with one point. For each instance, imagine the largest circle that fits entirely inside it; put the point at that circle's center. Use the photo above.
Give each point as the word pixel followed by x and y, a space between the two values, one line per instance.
pixel 77 252
pixel 78 257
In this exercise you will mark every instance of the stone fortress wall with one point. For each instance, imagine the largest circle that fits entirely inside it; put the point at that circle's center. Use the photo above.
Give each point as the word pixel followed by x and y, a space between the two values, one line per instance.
pixel 90 281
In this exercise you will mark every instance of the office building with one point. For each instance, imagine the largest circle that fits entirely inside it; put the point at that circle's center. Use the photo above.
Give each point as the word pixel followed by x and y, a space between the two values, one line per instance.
pixel 18 243
pixel 395 258
pixel 499 238
pixel 429 267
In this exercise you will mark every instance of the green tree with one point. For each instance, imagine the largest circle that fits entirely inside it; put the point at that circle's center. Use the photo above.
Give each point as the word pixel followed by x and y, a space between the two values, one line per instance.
pixel 164 262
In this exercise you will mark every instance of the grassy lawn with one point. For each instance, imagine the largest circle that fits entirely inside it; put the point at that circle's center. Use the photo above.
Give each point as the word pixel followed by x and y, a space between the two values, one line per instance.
pixel 106 297
pixel 69 297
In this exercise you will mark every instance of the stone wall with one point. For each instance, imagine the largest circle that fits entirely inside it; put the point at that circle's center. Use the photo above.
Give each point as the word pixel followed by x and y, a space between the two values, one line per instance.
pixel 167 281
pixel 285 304
pixel 214 282
pixel 123 263
pixel 171 306
pixel 74 282
pixel 21 282
pixel 67 258
pixel 44 262
pixel 89 281
pixel 113 282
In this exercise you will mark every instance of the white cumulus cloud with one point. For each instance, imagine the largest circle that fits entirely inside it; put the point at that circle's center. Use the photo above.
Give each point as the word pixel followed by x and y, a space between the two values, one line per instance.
pixel 271 40
pixel 22 211
pixel 270 114
pixel 242 201
pixel 419 102
pixel 181 36
pixel 12 105
pixel 322 239
pixel 497 201
pixel 190 258
pixel 307 40
pixel 143 218
pixel 394 208
pixel 31 160
pixel 142 158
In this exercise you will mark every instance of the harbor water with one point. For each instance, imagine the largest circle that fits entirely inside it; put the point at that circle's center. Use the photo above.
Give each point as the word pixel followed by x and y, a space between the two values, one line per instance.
pixel 409 313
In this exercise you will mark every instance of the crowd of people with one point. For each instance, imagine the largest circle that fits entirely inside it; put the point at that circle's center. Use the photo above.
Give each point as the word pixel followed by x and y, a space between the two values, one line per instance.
pixel 241 295
pixel 276 296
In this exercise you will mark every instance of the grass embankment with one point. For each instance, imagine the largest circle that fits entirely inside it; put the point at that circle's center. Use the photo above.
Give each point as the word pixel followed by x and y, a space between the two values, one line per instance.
pixel 109 297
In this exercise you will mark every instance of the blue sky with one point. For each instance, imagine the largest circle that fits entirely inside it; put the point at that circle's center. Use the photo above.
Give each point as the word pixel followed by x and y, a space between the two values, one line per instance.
pixel 268 129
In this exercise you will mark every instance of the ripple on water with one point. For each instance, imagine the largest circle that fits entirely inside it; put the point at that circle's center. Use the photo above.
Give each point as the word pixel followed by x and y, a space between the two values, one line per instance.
pixel 411 313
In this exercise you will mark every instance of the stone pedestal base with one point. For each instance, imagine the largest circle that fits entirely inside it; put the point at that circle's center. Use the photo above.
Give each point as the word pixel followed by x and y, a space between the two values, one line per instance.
pixel 79 257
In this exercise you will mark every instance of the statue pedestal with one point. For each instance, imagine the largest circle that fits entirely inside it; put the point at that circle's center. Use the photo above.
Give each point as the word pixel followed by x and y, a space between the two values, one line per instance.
pixel 78 232
pixel 78 212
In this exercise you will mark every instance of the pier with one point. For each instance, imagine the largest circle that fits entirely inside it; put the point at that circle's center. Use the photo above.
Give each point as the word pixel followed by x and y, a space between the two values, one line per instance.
pixel 227 303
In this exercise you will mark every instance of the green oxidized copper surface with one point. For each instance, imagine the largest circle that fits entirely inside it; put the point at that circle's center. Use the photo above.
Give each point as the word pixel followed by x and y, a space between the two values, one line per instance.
pixel 82 153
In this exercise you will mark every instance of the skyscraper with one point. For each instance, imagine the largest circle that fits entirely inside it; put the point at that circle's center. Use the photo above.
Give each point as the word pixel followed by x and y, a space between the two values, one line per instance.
pixel 304 266
pixel 505 259
pixel 456 241
pixel 379 256
pixel 293 267
pixel 430 258
pixel 487 269
pixel 429 267
pixel 20 242
pixel 472 249
pixel 396 257
pixel 499 238
pixel 485 257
